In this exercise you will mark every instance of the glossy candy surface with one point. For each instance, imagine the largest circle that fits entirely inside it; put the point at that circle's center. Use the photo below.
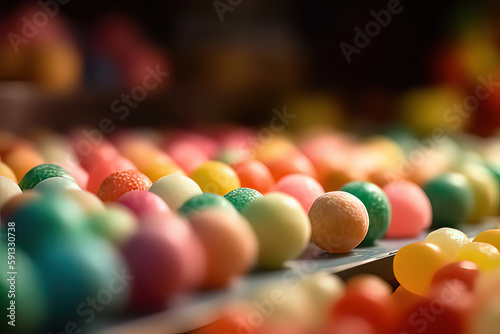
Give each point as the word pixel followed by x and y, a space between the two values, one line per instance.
pixel 411 209
pixel 282 227
pixel 415 265
pixel 175 190
pixel 449 240
pixel 304 188
pixel 144 203
pixel 216 177
pixel 451 198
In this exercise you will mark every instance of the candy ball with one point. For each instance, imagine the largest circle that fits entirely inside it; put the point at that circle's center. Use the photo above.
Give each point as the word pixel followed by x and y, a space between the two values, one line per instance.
pixel 415 265
pixel 56 184
pixel 30 298
pixel 204 201
pixel 411 209
pixel 324 291
pixel 464 271
pixel 339 222
pixel 45 217
pixel 282 227
pixel 7 172
pixel 254 174
pixel 119 183
pixel 451 198
pixel 166 261
pixel 303 188
pixel 378 208
pixel 368 297
pixel 117 223
pixel 229 242
pixel 76 270
pixel 486 256
pixel 216 177
pixel 491 237
pixel 41 172
pixel 449 240
pixel 240 197
pixel 8 189
pixel 486 192
pixel 144 203
pixel 175 190
pixel 88 201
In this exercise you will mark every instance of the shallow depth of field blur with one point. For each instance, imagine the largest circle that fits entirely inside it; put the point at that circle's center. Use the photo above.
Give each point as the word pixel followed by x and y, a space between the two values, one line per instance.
pixel 362 90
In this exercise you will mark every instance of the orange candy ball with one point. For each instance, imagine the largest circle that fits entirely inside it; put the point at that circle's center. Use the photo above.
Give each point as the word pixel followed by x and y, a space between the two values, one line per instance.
pixel 119 183
pixel 254 174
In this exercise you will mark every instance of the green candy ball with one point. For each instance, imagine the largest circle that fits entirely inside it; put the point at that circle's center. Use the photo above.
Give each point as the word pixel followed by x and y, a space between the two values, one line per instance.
pixel 47 216
pixel 240 197
pixel 42 172
pixel 31 302
pixel 378 208
pixel 452 199
pixel 204 201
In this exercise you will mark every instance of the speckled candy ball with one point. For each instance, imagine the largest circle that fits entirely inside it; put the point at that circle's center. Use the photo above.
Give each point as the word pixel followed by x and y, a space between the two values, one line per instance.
pixel 119 183
pixel 378 208
pixel 339 222
pixel 42 172
pixel 241 197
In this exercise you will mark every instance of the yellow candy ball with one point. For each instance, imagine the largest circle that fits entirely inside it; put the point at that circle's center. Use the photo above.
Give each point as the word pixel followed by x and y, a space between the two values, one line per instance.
pixel 160 170
pixel 415 265
pixel 449 240
pixel 486 192
pixel 491 237
pixel 7 172
pixel 216 177
pixel 486 256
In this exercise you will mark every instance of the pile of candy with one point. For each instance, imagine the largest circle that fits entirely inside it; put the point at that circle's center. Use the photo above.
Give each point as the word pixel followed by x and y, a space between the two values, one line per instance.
pixel 449 284
pixel 136 222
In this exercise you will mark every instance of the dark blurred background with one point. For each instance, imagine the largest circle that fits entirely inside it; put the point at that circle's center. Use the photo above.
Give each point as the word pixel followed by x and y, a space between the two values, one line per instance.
pixel 263 54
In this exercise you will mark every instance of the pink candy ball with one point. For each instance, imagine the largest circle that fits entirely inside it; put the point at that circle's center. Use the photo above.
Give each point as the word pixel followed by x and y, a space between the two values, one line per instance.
pixel 411 209
pixel 302 187
pixel 144 203
pixel 166 261
pixel 101 169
